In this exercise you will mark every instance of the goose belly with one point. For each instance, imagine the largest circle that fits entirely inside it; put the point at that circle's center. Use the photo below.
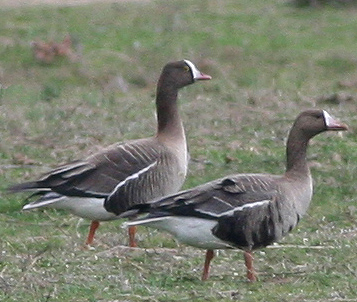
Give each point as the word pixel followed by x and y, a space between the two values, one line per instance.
pixel 196 232
pixel 84 207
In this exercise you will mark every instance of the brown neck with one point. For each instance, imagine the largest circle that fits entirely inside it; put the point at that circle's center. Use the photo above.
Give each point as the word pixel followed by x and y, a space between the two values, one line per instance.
pixel 169 121
pixel 296 163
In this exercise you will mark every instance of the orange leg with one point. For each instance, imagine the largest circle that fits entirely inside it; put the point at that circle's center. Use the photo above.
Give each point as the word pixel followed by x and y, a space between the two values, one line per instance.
pixel 132 232
pixel 248 257
pixel 209 257
pixel 93 226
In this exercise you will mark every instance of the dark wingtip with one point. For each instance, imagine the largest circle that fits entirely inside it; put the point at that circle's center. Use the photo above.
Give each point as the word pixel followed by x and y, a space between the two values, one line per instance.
pixel 22 187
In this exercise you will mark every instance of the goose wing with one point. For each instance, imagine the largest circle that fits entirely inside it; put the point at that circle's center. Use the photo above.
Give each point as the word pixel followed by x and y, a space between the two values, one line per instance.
pixel 218 198
pixel 99 174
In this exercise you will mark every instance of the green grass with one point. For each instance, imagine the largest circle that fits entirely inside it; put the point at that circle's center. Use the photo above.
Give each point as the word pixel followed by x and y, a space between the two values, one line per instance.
pixel 269 60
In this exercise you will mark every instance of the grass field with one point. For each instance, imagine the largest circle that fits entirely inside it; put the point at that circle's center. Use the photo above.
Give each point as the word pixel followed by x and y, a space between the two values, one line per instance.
pixel 269 60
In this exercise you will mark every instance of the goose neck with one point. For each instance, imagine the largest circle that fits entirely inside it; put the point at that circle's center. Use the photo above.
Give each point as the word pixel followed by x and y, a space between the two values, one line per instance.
pixel 168 117
pixel 296 163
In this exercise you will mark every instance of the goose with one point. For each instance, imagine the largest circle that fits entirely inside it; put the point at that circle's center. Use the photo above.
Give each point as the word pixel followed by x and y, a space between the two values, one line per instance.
pixel 124 173
pixel 244 211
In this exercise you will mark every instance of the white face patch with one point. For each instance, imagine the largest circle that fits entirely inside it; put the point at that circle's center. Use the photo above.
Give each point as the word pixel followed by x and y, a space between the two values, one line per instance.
pixel 329 120
pixel 195 72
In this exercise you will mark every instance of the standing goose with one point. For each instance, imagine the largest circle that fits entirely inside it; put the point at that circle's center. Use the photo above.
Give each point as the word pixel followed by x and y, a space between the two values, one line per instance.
pixel 124 173
pixel 245 211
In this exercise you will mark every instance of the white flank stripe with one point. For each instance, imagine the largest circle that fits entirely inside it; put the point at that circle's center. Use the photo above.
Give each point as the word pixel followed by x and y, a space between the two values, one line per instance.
pixel 143 221
pixel 231 212
pixel 246 206
pixel 44 203
pixel 133 176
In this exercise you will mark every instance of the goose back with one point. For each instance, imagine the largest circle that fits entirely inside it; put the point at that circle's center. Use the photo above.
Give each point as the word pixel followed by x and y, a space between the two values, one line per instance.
pixel 116 173
pixel 250 210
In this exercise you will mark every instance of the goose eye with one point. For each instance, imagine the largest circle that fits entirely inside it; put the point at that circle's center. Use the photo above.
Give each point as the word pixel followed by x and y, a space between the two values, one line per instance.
pixel 318 115
pixel 186 68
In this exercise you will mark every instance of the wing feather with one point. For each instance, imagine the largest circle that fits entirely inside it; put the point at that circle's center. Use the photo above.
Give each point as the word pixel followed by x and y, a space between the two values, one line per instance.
pixel 220 197
pixel 100 173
